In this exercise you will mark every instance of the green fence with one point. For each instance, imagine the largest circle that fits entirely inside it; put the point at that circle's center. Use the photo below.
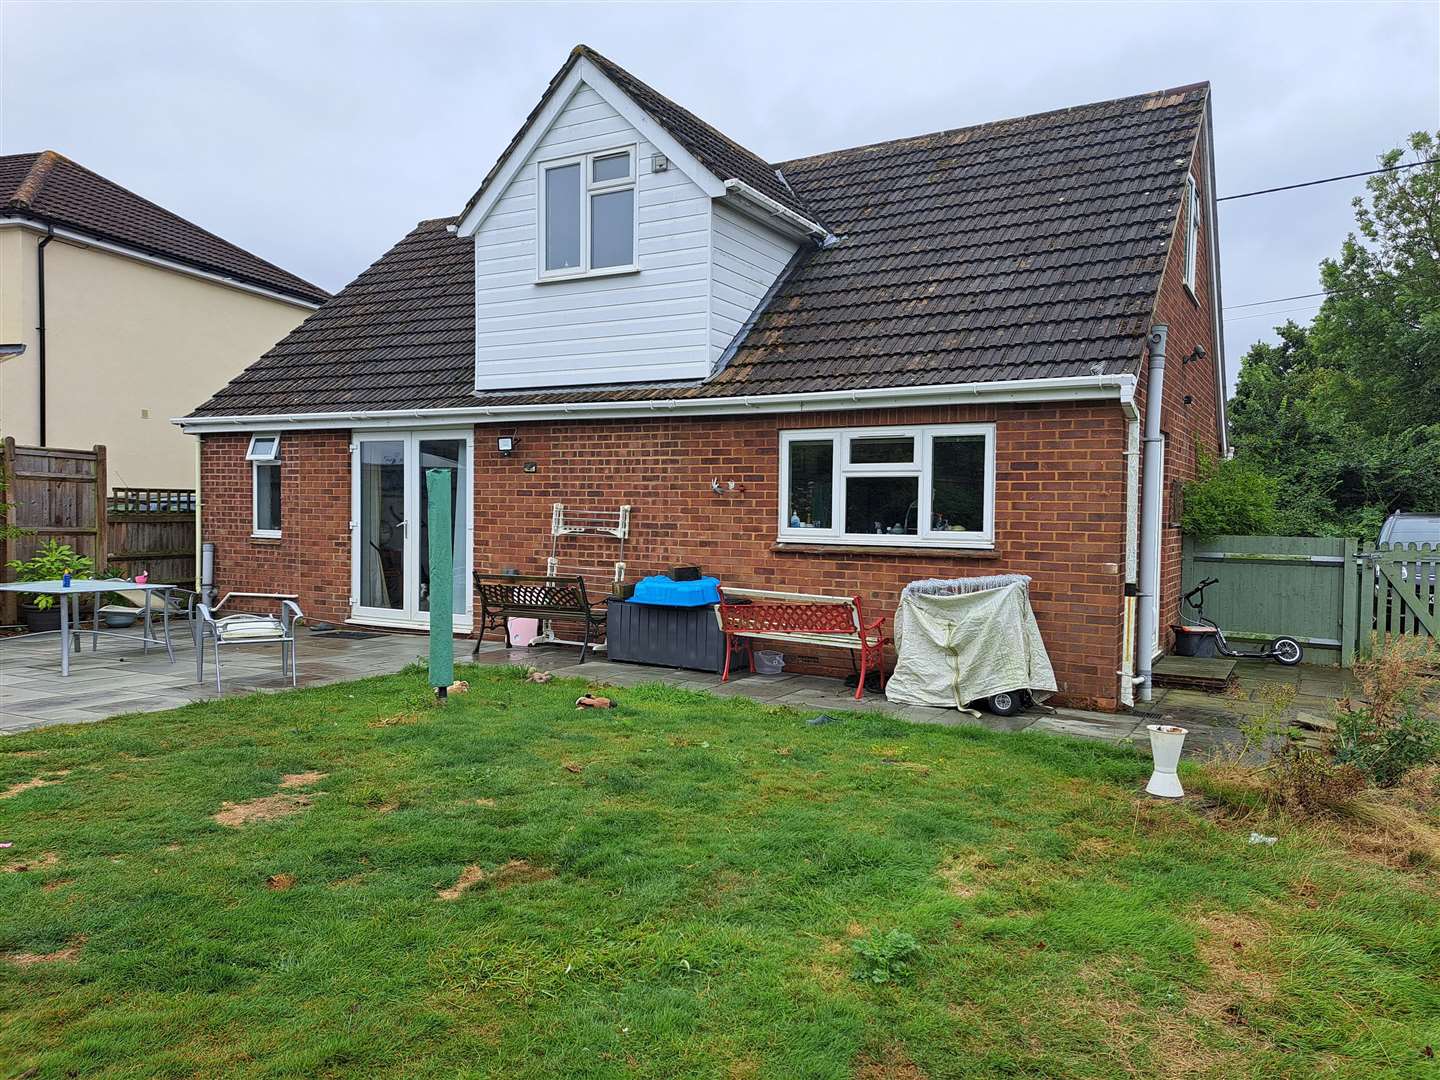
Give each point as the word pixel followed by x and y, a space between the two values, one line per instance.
pixel 1335 596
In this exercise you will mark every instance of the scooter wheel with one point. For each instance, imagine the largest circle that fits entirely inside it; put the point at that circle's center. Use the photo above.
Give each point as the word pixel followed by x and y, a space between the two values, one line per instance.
pixel 1287 651
pixel 1007 703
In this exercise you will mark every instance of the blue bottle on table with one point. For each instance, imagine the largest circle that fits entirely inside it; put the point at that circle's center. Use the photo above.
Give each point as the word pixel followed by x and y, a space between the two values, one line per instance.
pixel 65 580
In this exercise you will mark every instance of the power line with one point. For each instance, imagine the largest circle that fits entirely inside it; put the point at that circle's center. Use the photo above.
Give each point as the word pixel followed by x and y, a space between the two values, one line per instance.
pixel 1278 300
pixel 1328 180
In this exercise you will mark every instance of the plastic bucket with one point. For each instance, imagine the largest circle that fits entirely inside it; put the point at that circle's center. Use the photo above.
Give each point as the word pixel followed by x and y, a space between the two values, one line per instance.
pixel 768 662
pixel 523 631
pixel 1195 641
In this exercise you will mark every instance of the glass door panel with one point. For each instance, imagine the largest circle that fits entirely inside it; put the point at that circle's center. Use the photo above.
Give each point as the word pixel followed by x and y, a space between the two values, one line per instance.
pixel 382 546
pixel 444 454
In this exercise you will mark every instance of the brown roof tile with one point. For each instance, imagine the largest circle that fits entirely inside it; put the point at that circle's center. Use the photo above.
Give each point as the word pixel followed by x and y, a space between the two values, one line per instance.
pixel 1023 249
pixel 51 189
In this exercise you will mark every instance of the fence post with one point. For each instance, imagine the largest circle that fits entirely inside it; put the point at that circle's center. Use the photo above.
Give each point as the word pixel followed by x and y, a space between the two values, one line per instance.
pixel 9 611
pixel 1350 604
pixel 102 508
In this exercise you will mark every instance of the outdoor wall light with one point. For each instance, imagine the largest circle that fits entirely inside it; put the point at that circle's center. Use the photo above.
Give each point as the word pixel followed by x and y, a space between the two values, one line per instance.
pixel 659 163
pixel 1197 353
pixel 506 445
pixel 12 349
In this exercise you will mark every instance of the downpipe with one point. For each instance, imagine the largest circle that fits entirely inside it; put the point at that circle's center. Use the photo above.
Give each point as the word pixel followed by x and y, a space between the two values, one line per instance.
pixel 1150 508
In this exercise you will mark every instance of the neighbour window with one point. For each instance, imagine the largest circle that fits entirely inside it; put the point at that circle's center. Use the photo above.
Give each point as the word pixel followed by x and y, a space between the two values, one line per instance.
pixel 1192 231
pixel 925 486
pixel 264 458
pixel 587 214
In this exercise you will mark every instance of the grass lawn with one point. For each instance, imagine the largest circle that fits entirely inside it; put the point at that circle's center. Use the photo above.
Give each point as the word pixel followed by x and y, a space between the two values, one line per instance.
pixel 509 886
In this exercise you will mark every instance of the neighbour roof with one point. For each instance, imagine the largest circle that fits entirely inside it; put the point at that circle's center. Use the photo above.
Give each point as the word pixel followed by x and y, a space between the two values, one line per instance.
pixel 51 189
pixel 1023 249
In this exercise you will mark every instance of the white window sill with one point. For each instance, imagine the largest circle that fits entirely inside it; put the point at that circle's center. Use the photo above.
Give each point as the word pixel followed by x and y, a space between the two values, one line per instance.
pixel 464 624
pixel 267 535
pixel 609 271
pixel 886 540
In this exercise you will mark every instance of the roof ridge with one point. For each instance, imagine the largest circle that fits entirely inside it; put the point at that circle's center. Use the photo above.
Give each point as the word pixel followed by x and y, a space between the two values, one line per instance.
pixel 39 171
pixel 1157 94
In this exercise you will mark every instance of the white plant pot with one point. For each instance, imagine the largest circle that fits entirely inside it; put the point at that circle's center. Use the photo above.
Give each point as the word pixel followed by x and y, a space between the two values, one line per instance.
pixel 1165 743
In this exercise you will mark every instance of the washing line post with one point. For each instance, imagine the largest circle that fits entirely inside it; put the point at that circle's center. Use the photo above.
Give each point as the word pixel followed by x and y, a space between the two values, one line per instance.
pixel 441 558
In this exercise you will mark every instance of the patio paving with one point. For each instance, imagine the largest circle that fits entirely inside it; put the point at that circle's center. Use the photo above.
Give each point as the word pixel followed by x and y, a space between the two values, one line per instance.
pixel 121 678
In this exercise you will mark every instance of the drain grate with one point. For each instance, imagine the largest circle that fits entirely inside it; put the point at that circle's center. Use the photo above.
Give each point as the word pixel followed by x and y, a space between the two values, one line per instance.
pixel 350 635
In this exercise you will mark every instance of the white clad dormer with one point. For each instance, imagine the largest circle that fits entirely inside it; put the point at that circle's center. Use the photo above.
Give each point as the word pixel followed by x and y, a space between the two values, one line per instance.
pixel 606 253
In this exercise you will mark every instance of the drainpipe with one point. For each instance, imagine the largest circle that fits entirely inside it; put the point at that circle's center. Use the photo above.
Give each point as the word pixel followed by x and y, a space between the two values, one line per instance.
pixel 1150 505
pixel 40 322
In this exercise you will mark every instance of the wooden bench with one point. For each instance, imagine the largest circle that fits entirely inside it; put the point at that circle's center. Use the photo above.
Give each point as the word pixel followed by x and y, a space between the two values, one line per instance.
pixel 802 619
pixel 507 596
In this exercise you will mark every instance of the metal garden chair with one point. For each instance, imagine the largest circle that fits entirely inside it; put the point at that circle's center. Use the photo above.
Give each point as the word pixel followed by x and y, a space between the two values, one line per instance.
pixel 248 630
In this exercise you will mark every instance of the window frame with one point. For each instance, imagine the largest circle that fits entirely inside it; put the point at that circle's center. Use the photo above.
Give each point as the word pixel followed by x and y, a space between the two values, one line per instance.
pixel 589 187
pixel 920 466
pixel 1192 232
pixel 259 459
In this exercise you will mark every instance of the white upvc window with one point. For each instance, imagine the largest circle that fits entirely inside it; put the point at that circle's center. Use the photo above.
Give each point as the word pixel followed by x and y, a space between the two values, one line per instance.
pixel 264 458
pixel 586 214
pixel 923 486
pixel 1192 231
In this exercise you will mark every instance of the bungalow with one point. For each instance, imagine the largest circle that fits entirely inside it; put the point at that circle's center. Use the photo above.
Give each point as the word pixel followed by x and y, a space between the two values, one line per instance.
pixel 922 358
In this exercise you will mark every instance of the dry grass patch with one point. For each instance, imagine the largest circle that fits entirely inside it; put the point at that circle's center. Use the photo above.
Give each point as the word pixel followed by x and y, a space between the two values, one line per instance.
pixel 398 720
pixel 265 808
pixel 280 882
pixel 892 1063
pixel 43 780
pixel 302 779
pixel 514 872
pixel 67 955
pixel 961 873
pixel 39 862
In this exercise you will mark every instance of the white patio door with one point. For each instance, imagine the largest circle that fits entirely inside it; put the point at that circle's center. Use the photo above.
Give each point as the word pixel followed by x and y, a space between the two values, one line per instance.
pixel 389 525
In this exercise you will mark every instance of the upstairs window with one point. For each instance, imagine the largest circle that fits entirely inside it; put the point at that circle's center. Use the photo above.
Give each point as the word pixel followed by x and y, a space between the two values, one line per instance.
pixel 587 214
pixel 264 458
pixel 1192 231
pixel 927 486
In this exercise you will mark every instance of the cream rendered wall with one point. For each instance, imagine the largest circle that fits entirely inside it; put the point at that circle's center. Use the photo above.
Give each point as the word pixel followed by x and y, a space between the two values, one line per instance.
pixel 125 338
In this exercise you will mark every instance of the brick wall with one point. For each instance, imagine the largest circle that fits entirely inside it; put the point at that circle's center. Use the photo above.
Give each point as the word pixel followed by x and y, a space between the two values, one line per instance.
pixel 1191 428
pixel 1059 515
pixel 312 557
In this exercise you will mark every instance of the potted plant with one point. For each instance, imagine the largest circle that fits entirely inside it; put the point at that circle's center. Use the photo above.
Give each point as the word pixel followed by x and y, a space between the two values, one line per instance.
pixel 51 561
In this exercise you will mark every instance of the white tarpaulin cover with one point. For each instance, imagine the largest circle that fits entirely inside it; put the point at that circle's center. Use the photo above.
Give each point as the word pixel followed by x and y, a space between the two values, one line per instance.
pixel 963 640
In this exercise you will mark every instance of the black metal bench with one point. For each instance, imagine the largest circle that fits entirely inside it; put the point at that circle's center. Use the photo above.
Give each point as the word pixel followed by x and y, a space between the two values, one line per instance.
pixel 518 596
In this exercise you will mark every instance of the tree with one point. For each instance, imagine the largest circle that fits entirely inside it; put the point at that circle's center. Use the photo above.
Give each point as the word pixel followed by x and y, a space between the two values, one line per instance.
pixel 1345 413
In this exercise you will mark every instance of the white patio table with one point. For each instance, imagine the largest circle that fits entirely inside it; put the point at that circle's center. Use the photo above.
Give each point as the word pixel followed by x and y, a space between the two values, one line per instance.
pixel 69 600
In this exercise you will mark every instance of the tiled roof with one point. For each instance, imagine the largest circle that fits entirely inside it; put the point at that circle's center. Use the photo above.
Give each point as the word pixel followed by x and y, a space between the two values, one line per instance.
pixel 1026 248
pixel 51 189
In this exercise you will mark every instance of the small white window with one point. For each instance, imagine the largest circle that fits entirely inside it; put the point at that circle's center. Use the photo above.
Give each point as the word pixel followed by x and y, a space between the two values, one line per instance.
pixel 587 215
pixel 264 458
pixel 926 486
pixel 1192 231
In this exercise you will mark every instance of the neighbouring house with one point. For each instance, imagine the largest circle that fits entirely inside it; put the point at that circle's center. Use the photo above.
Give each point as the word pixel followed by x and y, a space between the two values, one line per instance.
pixel 837 374
pixel 129 314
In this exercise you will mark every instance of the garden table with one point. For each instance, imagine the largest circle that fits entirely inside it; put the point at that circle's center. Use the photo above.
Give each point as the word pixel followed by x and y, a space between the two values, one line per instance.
pixel 69 599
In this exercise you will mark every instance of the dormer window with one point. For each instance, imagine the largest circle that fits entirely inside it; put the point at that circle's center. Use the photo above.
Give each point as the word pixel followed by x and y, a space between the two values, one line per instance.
pixel 587 215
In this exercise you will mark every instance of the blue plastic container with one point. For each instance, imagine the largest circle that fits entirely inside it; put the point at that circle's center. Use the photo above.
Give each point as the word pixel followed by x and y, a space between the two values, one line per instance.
pixel 663 592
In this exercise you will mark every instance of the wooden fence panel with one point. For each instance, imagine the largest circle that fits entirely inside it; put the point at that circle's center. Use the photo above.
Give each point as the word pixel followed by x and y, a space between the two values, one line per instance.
pixel 1397 594
pixel 58 494
pixel 1274 585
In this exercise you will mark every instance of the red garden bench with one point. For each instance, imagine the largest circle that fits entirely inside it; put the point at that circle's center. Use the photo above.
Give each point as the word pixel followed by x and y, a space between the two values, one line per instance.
pixel 803 619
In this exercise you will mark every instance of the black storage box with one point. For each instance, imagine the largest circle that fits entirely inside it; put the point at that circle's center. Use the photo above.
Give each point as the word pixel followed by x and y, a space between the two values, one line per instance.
pixel 1195 641
pixel 685 573
pixel 679 637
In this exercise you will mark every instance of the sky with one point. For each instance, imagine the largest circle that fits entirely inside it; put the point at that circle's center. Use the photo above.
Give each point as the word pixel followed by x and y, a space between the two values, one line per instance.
pixel 317 134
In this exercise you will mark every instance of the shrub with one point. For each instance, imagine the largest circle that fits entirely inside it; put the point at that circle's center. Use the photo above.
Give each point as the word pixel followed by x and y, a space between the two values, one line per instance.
pixel 885 958
pixel 1229 496
pixel 1389 732
pixel 50 562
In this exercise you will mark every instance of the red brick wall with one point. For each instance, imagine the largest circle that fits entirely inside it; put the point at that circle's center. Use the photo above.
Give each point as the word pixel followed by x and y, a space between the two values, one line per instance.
pixel 1187 428
pixel 312 558
pixel 1059 515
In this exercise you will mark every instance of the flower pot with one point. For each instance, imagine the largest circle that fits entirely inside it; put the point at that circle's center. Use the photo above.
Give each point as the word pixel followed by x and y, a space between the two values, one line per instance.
pixel 39 620
pixel 1165 743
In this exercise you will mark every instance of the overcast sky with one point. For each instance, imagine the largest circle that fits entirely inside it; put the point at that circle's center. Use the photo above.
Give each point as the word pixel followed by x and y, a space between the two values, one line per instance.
pixel 316 135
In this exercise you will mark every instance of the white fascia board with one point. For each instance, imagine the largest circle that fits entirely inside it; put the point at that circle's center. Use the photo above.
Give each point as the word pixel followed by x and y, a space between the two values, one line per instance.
pixel 587 73
pixel 757 204
pixel 71 236
pixel 1117 388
